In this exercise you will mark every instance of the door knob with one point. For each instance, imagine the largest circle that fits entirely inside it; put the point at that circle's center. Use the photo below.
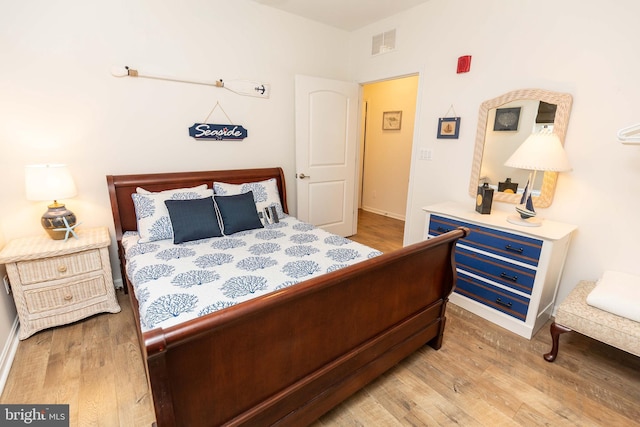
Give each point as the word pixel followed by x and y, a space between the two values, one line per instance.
pixel 303 176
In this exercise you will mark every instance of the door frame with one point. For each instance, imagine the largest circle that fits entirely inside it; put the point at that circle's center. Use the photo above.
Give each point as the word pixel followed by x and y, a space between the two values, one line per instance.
pixel 414 148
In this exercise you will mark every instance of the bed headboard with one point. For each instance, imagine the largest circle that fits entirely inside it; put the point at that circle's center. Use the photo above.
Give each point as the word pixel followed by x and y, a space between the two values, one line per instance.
pixel 122 186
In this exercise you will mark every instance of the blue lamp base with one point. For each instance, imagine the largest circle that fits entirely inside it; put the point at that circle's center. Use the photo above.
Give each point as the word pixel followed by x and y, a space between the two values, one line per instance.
pixel 57 217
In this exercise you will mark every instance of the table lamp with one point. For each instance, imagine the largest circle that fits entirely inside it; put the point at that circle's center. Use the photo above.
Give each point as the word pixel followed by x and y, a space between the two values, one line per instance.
pixel 52 182
pixel 541 151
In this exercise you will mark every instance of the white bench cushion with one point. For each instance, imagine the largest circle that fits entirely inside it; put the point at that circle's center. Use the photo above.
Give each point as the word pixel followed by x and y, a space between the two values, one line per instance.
pixel 576 314
pixel 617 293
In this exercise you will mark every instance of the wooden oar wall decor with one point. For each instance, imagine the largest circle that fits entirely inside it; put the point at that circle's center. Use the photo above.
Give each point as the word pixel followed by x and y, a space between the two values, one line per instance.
pixel 205 130
pixel 240 87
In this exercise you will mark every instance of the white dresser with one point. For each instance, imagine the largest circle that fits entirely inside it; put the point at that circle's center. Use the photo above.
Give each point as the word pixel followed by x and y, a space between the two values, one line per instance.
pixel 507 273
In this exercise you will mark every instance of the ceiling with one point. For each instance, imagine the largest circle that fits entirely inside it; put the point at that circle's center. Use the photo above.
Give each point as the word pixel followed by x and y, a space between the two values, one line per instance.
pixel 348 15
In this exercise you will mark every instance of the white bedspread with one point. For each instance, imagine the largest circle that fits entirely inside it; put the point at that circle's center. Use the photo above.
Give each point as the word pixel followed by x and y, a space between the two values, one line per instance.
pixel 175 283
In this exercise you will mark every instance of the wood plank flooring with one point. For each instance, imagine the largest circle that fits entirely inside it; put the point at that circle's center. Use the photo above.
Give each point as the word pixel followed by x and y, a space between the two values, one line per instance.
pixel 482 376
pixel 379 231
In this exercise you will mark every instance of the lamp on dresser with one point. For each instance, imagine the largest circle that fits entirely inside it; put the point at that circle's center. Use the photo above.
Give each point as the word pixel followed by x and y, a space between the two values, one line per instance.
pixel 541 151
pixel 52 182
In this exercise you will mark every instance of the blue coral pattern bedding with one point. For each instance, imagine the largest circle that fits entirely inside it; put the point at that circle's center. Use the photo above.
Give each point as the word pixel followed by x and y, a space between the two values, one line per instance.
pixel 175 283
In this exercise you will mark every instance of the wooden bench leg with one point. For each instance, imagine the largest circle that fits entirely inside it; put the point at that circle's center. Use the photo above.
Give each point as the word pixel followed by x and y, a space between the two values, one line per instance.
pixel 555 330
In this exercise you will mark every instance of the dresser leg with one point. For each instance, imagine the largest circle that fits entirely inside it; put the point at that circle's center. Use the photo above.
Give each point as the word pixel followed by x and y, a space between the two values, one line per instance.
pixel 555 330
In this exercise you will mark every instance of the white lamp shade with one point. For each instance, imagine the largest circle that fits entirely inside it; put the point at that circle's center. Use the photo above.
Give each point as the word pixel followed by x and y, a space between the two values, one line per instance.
pixel 49 182
pixel 541 152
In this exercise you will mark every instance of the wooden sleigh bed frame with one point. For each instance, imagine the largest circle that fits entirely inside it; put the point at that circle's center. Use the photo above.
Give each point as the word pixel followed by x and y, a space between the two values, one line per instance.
pixel 288 357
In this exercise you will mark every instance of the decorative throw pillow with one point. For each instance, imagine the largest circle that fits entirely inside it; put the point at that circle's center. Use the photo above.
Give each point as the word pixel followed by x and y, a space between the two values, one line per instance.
pixel 152 214
pixel 141 190
pixel 617 293
pixel 193 219
pixel 237 213
pixel 265 193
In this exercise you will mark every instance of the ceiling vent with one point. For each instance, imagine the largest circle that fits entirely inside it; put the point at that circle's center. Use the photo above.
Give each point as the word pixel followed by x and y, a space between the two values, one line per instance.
pixel 383 43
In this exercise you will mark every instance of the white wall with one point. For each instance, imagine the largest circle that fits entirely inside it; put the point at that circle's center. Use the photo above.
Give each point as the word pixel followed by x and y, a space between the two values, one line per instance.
pixel 588 49
pixel 60 102
pixel 8 328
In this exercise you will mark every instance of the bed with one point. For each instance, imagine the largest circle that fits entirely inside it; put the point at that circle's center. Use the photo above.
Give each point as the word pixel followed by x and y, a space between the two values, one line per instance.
pixel 289 355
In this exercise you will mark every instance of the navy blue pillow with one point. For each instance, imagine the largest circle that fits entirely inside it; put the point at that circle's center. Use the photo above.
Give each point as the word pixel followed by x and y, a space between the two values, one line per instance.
pixel 193 219
pixel 237 213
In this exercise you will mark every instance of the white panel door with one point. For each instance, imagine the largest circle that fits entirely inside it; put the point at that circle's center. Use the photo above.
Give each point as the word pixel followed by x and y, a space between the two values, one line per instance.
pixel 326 147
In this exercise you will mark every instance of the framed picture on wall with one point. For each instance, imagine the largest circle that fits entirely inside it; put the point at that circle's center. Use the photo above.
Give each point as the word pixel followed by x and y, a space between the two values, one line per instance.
pixel 448 127
pixel 391 120
pixel 507 119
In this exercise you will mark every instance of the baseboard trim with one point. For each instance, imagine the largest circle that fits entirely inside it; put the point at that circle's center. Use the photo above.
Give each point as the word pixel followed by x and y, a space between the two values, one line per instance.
pixel 383 213
pixel 9 353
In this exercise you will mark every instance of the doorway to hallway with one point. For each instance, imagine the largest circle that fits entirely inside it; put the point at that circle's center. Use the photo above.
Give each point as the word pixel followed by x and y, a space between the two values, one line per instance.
pixel 389 110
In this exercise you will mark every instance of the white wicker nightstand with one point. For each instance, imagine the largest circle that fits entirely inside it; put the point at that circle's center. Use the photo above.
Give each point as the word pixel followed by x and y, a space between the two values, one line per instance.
pixel 56 282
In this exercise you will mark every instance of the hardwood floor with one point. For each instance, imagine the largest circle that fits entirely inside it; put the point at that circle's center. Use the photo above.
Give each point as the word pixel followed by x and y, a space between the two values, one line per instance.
pixel 482 376
pixel 378 231
pixel 94 365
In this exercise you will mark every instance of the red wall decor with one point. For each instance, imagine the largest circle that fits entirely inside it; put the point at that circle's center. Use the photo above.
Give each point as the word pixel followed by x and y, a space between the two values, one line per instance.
pixel 464 64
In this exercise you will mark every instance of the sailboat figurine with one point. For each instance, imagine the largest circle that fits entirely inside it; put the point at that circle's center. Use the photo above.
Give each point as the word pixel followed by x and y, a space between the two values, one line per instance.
pixel 525 208
pixel 526 211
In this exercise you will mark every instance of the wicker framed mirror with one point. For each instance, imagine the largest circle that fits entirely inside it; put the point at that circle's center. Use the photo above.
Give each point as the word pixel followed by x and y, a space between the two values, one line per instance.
pixel 532 102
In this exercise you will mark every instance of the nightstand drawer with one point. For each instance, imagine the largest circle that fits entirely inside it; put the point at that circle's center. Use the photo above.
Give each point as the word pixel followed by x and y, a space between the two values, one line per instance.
pixel 41 270
pixel 497 298
pixel 496 270
pixel 51 298
pixel 508 245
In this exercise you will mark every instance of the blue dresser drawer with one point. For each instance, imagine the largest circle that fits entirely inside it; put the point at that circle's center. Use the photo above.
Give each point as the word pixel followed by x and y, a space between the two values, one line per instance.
pixel 500 299
pixel 494 269
pixel 508 245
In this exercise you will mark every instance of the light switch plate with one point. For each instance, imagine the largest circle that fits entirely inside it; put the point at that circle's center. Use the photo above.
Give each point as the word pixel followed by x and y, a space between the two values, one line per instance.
pixel 426 154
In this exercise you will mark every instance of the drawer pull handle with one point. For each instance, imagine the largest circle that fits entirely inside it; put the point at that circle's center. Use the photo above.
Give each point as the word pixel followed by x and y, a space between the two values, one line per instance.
pixel 68 297
pixel 502 303
pixel 62 268
pixel 506 276
pixel 512 249
pixel 443 230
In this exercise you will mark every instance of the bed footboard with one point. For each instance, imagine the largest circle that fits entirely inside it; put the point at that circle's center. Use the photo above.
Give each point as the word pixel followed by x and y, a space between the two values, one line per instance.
pixel 288 357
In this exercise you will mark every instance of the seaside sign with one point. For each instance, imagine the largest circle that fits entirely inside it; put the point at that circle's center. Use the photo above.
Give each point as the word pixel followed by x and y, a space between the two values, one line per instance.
pixel 217 132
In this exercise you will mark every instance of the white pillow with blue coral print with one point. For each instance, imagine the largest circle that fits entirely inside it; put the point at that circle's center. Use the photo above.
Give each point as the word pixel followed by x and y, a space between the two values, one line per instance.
pixel 265 193
pixel 141 190
pixel 152 214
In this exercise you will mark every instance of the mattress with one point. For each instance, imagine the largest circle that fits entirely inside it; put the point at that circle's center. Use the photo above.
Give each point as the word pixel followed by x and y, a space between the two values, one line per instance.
pixel 174 283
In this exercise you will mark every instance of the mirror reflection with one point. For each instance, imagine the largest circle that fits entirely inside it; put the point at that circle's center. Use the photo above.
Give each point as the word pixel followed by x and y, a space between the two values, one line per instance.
pixel 508 126
pixel 503 124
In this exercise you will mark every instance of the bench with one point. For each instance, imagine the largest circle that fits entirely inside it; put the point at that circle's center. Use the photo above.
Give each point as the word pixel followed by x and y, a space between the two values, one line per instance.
pixel 574 314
